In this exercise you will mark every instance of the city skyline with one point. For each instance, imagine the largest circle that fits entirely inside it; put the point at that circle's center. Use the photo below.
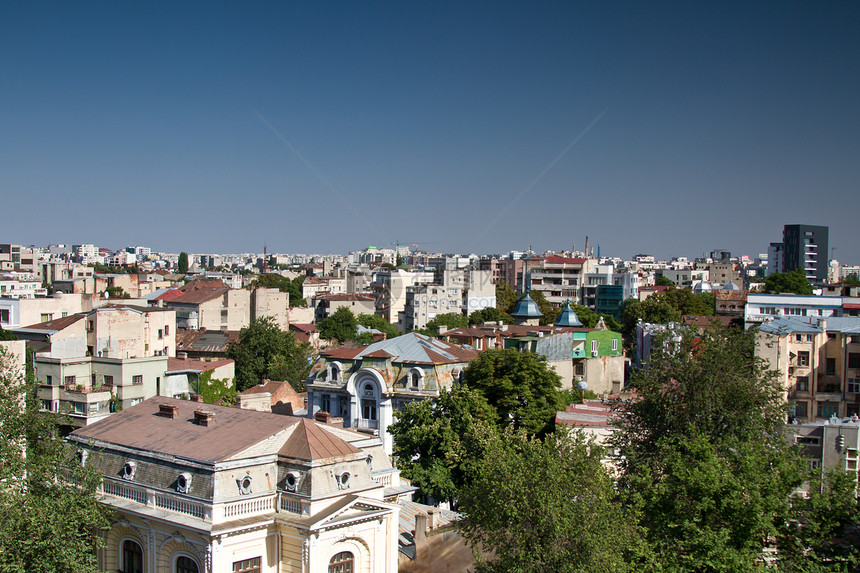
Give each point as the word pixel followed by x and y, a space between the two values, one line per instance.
pixel 666 129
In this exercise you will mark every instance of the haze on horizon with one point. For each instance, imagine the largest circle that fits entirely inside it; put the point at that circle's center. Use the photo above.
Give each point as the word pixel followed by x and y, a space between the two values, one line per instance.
pixel 670 128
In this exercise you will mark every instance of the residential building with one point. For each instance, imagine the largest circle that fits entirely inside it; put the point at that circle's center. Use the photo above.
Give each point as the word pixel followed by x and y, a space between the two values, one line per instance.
pixel 206 345
pixel 828 444
pixel 560 279
pixel 806 247
pixel 184 376
pixel 314 286
pixel 327 304
pixel 276 397
pixel 20 311
pixel 775 256
pixel 11 286
pixel 271 302
pixel 506 270
pixel 364 385
pixel 763 307
pixel 818 360
pixel 456 291
pixel 211 305
pixel 203 488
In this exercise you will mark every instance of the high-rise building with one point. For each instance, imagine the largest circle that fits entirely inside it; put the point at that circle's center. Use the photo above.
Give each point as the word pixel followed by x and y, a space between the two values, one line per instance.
pixel 805 247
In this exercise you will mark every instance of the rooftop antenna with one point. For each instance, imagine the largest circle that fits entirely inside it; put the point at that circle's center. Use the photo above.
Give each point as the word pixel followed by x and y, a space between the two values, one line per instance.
pixel 265 260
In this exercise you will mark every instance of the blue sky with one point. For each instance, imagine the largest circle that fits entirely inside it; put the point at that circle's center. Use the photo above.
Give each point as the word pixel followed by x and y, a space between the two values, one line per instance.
pixel 694 125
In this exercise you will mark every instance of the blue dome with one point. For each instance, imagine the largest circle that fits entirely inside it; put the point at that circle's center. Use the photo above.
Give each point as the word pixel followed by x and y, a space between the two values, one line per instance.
pixel 527 308
pixel 567 317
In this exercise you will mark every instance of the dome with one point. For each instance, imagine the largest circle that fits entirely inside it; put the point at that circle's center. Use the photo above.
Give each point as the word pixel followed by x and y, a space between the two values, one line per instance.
pixel 731 286
pixel 567 317
pixel 702 286
pixel 527 308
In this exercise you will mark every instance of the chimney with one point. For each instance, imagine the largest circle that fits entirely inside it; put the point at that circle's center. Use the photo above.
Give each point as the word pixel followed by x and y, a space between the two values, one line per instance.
pixel 204 418
pixel 323 417
pixel 182 355
pixel 432 519
pixel 168 410
pixel 196 398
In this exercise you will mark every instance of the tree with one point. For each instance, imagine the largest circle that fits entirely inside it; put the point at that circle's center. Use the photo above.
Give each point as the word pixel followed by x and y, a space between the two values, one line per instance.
pixel 339 326
pixel 6 335
pixel 686 301
pixel 664 281
pixel 182 265
pixel 449 320
pixel 704 465
pixel 293 287
pixel 378 323
pixel 789 282
pixel 522 389
pixel 506 297
pixel 550 313
pixel 545 506
pixel 435 440
pixel 50 517
pixel 653 309
pixel 490 314
pixel 265 351
pixel 851 279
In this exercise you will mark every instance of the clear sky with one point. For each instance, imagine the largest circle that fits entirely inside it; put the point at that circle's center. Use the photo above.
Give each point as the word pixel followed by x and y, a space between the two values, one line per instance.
pixel 663 128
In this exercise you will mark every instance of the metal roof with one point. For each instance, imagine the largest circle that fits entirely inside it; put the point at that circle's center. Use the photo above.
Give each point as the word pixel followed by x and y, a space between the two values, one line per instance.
pixel 568 317
pixel 527 308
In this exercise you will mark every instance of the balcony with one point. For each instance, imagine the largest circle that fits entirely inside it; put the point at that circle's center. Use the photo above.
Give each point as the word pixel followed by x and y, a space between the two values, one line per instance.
pixel 363 424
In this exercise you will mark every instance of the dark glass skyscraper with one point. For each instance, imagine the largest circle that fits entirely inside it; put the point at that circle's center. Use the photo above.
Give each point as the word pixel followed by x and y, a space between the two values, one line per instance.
pixel 805 247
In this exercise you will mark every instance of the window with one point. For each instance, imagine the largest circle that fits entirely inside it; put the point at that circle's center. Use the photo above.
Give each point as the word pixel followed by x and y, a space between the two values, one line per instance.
pixel 614 344
pixel 247 565
pixel 137 379
pixel 853 386
pixel 803 383
pixel 108 380
pixel 132 557
pixel 801 410
pixel 827 409
pixel 830 367
pixel 803 358
pixel 160 333
pixel 185 564
pixel 4 315
pixel 854 360
pixel 46 316
pixel 49 381
pixel 69 381
pixel 593 346
pixel 166 329
pixel 809 338
pixel 343 562
pixel 325 402
pixel 798 338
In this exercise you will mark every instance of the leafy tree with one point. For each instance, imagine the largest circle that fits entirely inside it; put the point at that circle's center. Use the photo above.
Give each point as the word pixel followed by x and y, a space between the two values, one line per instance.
pixel 520 386
pixel 550 313
pixel 449 320
pixel 548 505
pixel 790 282
pixel 117 292
pixel 293 287
pixel 339 326
pixel 703 462
pixel 686 301
pixel 653 309
pixel 491 314
pixel 664 281
pixel 851 279
pixel 50 517
pixel 265 351
pixel 377 322
pixel 182 265
pixel 506 297
pixel 435 440
pixel 6 335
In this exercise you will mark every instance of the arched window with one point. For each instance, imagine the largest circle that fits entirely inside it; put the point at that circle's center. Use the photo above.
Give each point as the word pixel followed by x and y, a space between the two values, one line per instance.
pixel 185 564
pixel 343 562
pixel 132 557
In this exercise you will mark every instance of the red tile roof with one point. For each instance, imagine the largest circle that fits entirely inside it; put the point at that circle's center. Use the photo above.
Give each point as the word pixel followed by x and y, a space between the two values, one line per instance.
pixel 177 364
pixel 564 260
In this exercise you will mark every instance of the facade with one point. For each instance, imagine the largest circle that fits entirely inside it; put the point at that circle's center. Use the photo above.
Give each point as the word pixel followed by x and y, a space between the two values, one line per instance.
pixel 806 247
pixel 560 279
pixel 211 305
pixel 456 291
pixel 21 311
pixel 203 488
pixel 327 304
pixel 764 307
pixel 830 444
pixel 273 303
pixel 365 385
pixel 818 361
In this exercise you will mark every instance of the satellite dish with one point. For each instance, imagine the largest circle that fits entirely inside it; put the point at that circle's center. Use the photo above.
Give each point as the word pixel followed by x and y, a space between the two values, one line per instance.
pixel 582 385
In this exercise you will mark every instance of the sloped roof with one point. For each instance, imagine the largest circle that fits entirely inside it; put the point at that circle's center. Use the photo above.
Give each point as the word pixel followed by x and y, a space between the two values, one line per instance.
pixel 310 442
pixel 179 364
pixel 205 340
pixel 527 308
pixel 787 325
pixel 141 427
pixel 568 317
pixel 420 349
pixel 52 326
pixel 844 324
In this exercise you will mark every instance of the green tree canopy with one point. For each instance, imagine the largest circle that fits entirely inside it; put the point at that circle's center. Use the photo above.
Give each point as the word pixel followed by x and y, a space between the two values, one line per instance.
pixel 790 282
pixel 435 440
pixel 851 279
pixel 703 462
pixel 490 314
pixel 182 264
pixel 50 517
pixel 523 390
pixel 506 297
pixel 537 506
pixel 339 326
pixel 377 322
pixel 6 335
pixel 293 286
pixel 265 351
pixel 663 281
pixel 449 320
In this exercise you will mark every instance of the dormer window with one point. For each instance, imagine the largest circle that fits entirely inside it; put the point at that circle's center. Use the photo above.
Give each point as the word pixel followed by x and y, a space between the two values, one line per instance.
pixel 368 390
pixel 343 479
pixel 291 481
pixel 245 484
pixel 128 470
pixel 416 379
pixel 183 482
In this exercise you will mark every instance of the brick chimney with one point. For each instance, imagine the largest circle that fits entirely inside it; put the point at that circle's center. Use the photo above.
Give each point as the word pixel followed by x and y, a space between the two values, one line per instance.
pixel 196 398
pixel 168 410
pixel 204 418
pixel 323 417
